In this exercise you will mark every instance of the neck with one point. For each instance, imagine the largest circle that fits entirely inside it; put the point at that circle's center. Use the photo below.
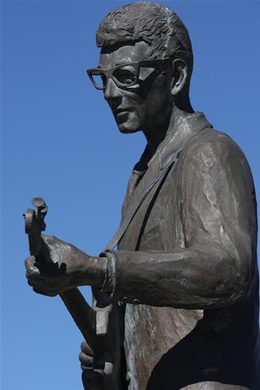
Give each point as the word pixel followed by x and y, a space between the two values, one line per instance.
pixel 182 101
pixel 157 128
pixel 155 135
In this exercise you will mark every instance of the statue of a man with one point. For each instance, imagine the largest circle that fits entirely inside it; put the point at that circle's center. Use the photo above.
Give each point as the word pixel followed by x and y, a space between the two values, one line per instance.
pixel 184 275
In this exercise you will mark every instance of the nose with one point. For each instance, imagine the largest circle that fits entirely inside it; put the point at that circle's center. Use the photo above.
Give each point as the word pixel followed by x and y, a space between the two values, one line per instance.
pixel 111 91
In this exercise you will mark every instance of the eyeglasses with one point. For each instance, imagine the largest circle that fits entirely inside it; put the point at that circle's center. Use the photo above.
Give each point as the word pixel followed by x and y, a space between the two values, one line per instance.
pixel 124 75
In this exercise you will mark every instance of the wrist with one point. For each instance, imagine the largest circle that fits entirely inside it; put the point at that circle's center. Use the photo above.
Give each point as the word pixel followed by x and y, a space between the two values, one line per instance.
pixel 109 280
pixel 98 272
pixel 90 270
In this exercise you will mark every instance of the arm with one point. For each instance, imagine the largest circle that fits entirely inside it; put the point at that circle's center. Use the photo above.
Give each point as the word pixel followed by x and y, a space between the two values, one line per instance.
pixel 217 209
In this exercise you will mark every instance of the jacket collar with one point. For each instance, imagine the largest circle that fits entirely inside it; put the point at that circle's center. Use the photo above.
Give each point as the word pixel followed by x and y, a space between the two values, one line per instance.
pixel 176 139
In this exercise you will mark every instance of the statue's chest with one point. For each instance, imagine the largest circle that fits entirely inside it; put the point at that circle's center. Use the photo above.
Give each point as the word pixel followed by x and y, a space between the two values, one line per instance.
pixel 155 225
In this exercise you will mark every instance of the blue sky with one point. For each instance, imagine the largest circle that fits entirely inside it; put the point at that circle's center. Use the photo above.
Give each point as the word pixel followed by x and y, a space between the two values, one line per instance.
pixel 59 141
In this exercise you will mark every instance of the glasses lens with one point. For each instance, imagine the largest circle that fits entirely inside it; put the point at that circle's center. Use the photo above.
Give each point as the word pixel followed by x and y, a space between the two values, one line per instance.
pixel 125 75
pixel 99 79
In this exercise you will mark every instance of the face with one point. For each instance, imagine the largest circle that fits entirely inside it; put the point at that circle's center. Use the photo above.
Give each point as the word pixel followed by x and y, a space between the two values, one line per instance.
pixel 144 105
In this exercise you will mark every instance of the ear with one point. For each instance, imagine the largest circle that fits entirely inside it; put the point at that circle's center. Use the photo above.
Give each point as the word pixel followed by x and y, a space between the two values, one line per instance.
pixel 180 74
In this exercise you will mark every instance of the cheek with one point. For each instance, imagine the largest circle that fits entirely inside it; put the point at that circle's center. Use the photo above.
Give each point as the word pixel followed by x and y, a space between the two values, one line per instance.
pixel 137 105
pixel 159 96
pixel 141 110
pixel 158 102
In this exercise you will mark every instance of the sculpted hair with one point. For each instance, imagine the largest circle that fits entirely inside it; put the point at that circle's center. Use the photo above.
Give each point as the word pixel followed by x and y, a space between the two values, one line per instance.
pixel 152 23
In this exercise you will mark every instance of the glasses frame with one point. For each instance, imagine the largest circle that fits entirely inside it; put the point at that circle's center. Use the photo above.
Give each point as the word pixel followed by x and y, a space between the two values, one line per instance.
pixel 108 73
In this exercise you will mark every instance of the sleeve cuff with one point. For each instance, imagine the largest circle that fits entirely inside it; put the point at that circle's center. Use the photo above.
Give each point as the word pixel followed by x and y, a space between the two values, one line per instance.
pixel 110 276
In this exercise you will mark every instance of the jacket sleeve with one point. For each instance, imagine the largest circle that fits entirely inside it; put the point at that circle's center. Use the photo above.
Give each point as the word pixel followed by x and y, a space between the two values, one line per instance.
pixel 216 202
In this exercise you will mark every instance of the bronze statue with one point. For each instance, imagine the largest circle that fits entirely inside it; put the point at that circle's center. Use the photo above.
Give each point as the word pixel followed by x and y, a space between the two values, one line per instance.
pixel 176 304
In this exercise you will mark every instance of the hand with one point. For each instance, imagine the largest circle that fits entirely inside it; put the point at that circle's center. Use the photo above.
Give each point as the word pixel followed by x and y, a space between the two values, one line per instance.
pixel 92 379
pixel 61 266
pixel 86 356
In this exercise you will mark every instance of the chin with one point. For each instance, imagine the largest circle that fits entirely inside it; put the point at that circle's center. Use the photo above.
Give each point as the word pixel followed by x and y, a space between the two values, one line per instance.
pixel 127 128
pixel 129 123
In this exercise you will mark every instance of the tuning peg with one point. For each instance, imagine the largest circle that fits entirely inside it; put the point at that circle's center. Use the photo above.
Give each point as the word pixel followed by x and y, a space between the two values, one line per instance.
pixel 41 206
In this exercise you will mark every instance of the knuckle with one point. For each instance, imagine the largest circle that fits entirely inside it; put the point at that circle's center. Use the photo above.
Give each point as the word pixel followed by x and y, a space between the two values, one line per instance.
pixel 82 357
pixel 29 261
pixel 82 345
pixel 85 348
pixel 31 272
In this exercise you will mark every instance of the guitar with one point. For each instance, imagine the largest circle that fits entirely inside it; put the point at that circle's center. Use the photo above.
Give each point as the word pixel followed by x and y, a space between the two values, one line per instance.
pixel 99 325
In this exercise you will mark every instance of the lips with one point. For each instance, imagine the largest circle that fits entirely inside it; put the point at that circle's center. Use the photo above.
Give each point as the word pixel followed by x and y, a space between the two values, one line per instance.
pixel 121 109
pixel 121 113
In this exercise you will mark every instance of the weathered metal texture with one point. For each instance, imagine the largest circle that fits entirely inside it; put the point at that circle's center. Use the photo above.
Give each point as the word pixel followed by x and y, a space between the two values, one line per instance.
pixel 177 302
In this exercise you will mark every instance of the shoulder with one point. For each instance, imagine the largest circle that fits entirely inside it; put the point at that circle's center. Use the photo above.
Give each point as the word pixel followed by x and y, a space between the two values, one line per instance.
pixel 213 140
pixel 214 159
pixel 212 147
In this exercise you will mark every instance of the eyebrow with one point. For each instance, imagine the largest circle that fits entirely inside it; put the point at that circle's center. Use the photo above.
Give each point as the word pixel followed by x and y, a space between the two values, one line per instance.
pixel 125 63
pixel 118 64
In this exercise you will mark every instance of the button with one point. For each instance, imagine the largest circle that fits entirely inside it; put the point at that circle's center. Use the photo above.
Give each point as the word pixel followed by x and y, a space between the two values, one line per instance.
pixel 135 301
pixel 128 377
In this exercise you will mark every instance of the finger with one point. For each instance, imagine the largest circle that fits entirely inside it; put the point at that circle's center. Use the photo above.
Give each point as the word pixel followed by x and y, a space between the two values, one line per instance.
pixel 46 293
pixel 31 269
pixel 85 360
pixel 49 269
pixel 84 368
pixel 38 289
pixel 29 261
pixel 85 348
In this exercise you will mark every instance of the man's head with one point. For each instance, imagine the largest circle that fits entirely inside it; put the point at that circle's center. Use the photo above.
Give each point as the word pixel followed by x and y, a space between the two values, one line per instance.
pixel 149 22
pixel 145 65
